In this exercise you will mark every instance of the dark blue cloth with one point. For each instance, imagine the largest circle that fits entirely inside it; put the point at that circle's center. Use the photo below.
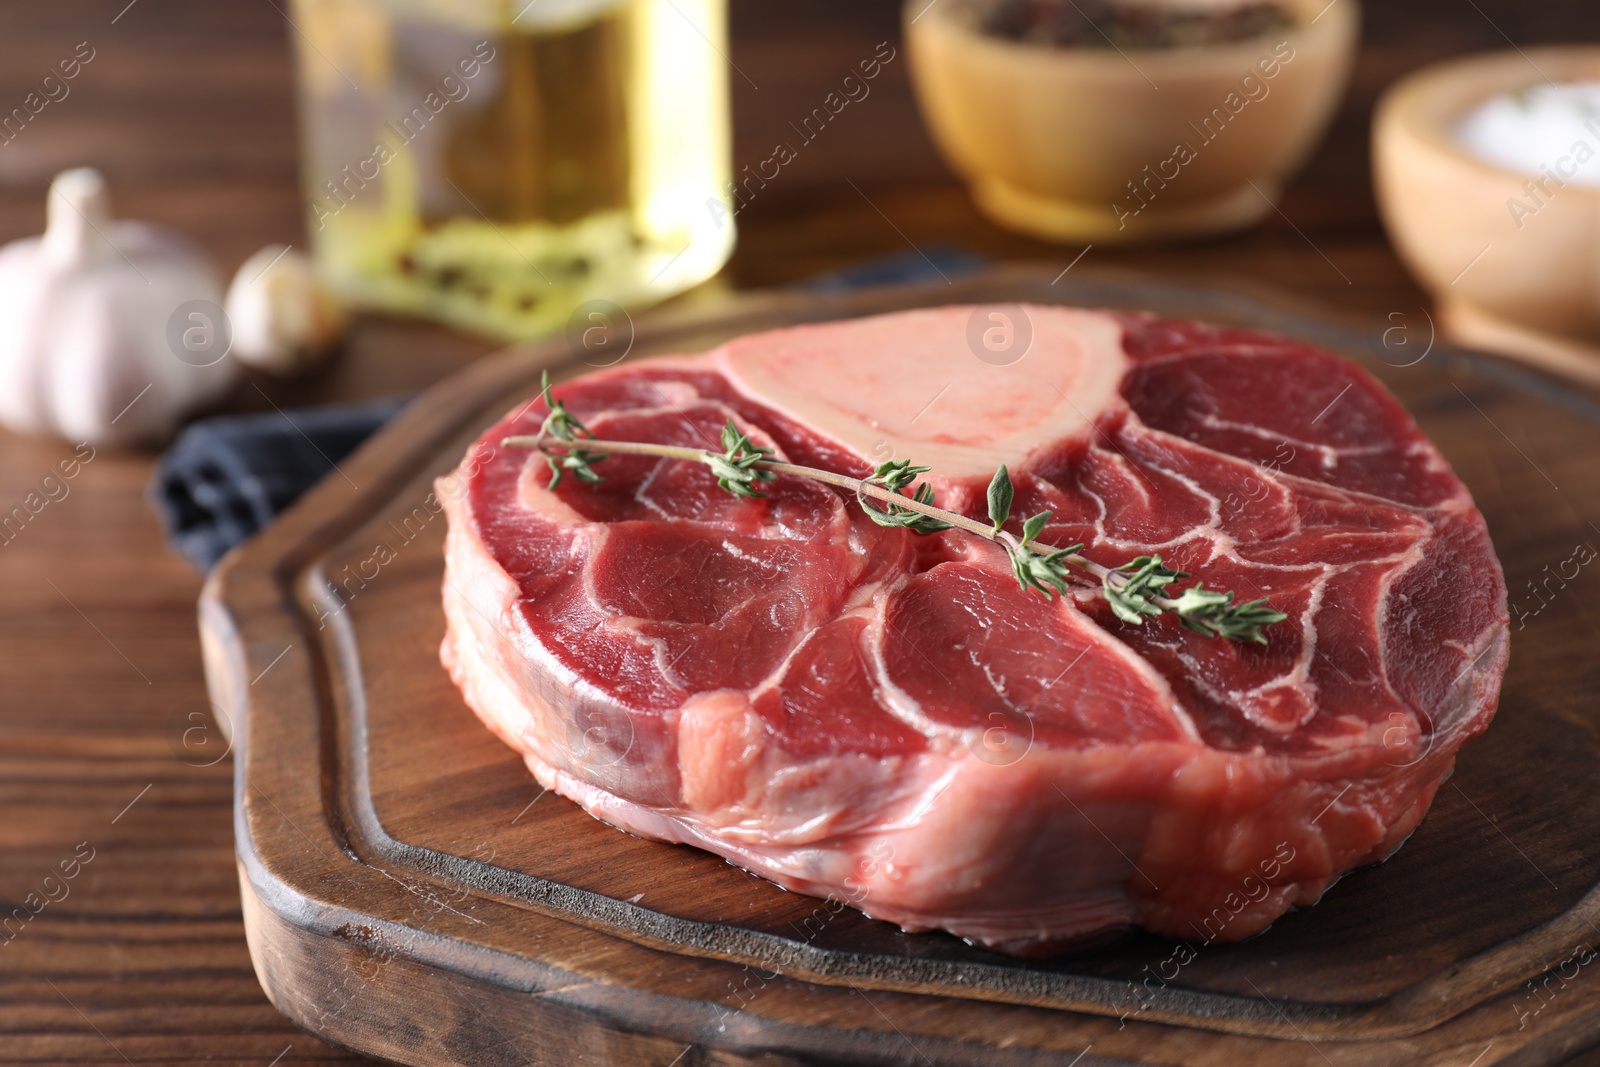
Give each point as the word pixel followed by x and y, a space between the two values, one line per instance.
pixel 932 263
pixel 227 477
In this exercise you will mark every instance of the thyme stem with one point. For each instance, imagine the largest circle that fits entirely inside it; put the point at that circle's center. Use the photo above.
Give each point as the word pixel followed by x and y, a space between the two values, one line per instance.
pixel 1205 611
pixel 816 474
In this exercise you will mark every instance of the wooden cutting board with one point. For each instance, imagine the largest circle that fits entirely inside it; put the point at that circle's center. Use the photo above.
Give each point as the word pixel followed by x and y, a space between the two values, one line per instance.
pixel 410 893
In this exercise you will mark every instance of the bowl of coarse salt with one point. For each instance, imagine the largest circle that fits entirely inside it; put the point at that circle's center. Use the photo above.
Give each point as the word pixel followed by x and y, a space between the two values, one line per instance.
pixel 1488 177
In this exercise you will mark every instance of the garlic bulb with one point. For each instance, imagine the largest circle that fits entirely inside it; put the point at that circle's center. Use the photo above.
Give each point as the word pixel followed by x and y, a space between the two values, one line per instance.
pixel 109 331
pixel 284 319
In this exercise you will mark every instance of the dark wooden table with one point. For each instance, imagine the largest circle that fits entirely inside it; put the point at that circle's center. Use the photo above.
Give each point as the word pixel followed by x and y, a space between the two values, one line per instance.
pixel 187 108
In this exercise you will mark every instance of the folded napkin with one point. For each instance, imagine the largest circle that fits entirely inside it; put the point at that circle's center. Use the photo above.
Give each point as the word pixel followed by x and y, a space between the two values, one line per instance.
pixel 227 477
pixel 931 263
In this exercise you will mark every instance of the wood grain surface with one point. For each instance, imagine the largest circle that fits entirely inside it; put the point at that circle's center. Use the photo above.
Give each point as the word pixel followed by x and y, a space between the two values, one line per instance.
pixel 188 109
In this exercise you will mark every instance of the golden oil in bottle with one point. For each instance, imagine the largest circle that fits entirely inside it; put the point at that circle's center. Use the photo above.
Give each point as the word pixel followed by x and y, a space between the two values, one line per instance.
pixel 496 164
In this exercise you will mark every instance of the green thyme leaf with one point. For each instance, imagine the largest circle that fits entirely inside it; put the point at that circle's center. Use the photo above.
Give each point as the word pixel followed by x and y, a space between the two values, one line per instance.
pixel 1032 528
pixel 1046 573
pixel 895 476
pixel 1000 496
pixel 562 426
pixel 736 468
pixel 1206 611
pixel 1131 588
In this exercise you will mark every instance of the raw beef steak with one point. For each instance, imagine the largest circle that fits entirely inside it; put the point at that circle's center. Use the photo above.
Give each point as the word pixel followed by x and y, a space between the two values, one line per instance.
pixel 887 719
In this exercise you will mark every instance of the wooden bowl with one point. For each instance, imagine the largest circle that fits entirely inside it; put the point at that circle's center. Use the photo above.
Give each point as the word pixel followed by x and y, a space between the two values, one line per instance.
pixel 1102 145
pixel 1522 281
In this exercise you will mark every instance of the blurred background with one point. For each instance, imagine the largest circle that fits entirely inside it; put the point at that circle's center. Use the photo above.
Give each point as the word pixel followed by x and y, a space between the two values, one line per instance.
pixel 188 110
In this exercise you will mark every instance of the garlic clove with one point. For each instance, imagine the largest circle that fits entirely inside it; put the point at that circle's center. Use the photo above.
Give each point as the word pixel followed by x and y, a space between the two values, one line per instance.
pixel 284 319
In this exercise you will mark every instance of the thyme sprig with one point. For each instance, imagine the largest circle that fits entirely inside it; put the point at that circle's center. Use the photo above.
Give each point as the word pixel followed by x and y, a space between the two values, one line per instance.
pixel 1136 590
